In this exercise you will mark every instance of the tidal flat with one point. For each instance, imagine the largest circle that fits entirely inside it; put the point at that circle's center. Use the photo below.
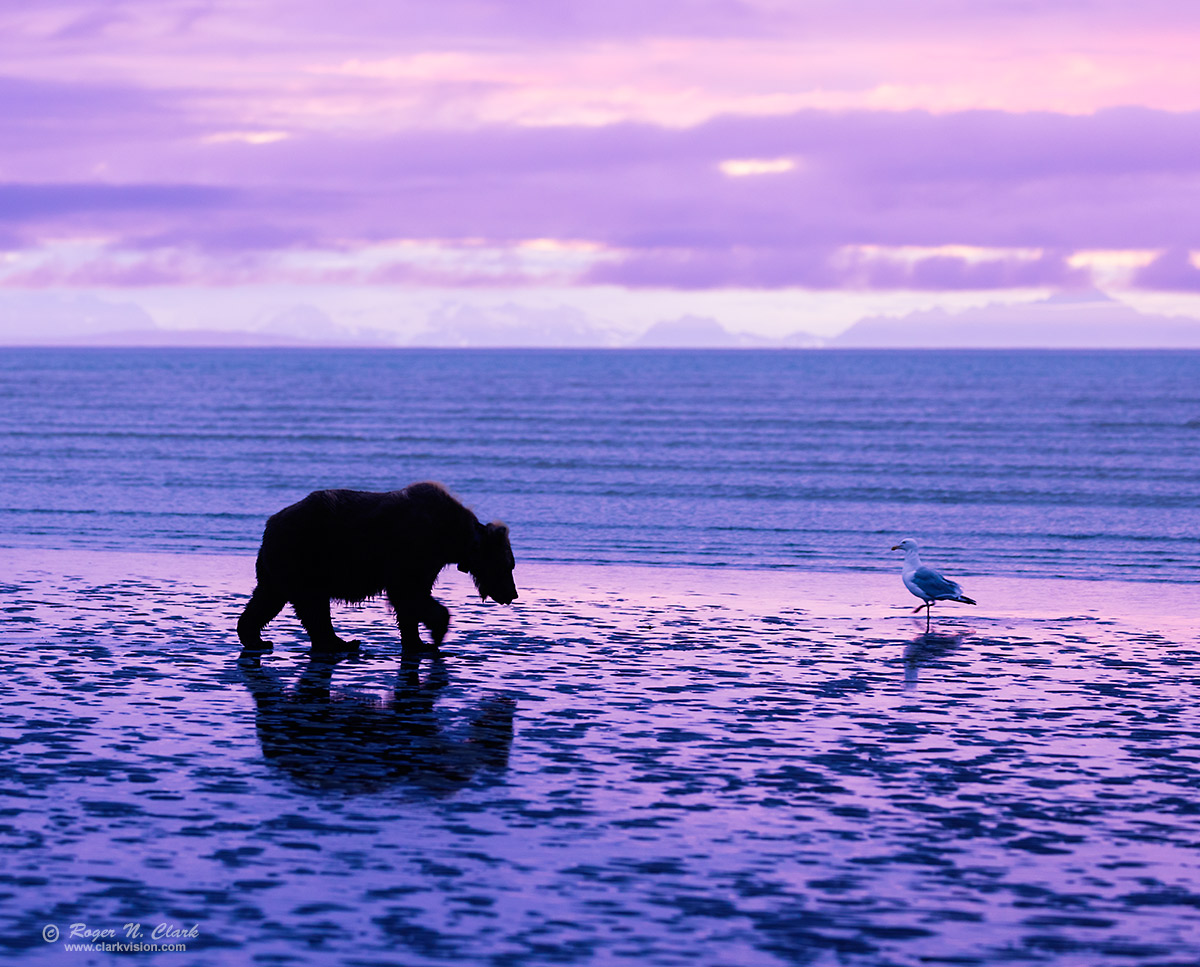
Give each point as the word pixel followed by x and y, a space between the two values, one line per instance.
pixel 631 765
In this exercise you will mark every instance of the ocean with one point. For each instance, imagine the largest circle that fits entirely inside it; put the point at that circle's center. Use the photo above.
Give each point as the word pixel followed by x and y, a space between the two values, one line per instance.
pixel 749 757
pixel 1025 463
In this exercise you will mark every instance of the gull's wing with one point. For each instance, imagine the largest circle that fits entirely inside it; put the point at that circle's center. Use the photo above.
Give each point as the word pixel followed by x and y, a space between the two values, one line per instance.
pixel 934 585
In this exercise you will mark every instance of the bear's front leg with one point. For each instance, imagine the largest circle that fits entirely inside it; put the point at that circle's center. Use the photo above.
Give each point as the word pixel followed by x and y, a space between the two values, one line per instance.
pixel 436 618
pixel 409 612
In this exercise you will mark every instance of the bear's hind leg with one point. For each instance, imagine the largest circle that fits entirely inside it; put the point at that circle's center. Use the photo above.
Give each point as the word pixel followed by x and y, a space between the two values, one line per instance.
pixel 264 604
pixel 313 613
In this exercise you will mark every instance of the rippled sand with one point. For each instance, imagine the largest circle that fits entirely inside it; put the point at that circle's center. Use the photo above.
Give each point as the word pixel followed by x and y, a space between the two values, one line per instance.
pixel 647 766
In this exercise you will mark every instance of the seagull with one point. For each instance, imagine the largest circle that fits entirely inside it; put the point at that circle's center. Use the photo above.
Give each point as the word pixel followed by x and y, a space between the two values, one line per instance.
pixel 926 583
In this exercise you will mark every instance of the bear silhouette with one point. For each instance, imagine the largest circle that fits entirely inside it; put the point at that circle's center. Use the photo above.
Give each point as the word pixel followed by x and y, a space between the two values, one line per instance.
pixel 352 545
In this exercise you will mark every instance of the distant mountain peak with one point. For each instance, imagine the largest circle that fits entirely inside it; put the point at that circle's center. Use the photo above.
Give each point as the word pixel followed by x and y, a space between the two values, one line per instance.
pixel 687 331
pixel 704 332
pixel 1078 319
pixel 1079 297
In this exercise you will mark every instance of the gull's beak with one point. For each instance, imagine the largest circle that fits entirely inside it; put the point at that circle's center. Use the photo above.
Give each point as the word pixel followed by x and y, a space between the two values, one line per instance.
pixel 895 547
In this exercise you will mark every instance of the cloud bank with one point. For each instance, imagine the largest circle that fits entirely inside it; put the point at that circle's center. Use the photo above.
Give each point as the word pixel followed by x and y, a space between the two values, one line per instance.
pixel 687 145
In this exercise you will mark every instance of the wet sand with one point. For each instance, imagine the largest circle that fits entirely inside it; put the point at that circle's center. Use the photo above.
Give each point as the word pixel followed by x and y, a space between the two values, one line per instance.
pixel 630 765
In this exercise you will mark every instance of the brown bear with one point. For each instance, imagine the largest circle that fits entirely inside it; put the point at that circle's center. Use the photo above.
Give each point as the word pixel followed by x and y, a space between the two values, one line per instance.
pixel 351 545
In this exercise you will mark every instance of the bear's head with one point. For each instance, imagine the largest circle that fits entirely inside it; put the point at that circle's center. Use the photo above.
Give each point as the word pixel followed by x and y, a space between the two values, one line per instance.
pixel 491 564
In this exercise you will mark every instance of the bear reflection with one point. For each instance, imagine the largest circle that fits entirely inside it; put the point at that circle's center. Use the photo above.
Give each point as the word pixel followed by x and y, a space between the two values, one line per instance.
pixel 349 743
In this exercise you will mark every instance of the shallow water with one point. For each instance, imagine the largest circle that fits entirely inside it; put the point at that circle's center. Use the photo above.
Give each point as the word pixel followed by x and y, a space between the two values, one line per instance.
pixel 637 766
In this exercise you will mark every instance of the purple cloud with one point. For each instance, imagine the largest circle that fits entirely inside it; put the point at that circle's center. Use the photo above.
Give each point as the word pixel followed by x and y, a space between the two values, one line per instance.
pixel 902 147
pixel 29 202
pixel 1173 270
pixel 507 19
pixel 945 272
pixel 33 105
pixel 861 179
pixel 831 269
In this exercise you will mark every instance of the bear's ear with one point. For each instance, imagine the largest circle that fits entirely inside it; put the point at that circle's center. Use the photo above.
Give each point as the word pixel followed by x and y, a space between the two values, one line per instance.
pixel 497 529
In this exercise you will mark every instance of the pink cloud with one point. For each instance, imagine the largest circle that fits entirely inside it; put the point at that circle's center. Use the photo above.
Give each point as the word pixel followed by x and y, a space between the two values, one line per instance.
pixel 409 273
pixel 669 62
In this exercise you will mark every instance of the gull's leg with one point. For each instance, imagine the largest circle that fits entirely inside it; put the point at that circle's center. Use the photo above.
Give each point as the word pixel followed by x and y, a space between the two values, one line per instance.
pixel 928 616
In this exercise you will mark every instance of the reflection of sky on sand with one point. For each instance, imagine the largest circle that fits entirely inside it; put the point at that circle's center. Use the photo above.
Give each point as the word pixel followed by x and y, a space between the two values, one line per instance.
pixel 714 767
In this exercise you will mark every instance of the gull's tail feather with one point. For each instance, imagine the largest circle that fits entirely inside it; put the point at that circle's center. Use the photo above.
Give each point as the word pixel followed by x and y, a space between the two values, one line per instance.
pixel 965 600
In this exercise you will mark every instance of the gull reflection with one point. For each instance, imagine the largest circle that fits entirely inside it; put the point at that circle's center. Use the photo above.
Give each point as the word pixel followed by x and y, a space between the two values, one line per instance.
pixel 926 649
pixel 342 742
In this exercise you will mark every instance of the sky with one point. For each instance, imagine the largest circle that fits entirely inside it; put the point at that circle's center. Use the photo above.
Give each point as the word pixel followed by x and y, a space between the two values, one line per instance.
pixel 777 166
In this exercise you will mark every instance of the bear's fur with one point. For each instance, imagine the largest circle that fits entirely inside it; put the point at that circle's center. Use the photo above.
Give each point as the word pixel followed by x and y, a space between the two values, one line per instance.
pixel 351 545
